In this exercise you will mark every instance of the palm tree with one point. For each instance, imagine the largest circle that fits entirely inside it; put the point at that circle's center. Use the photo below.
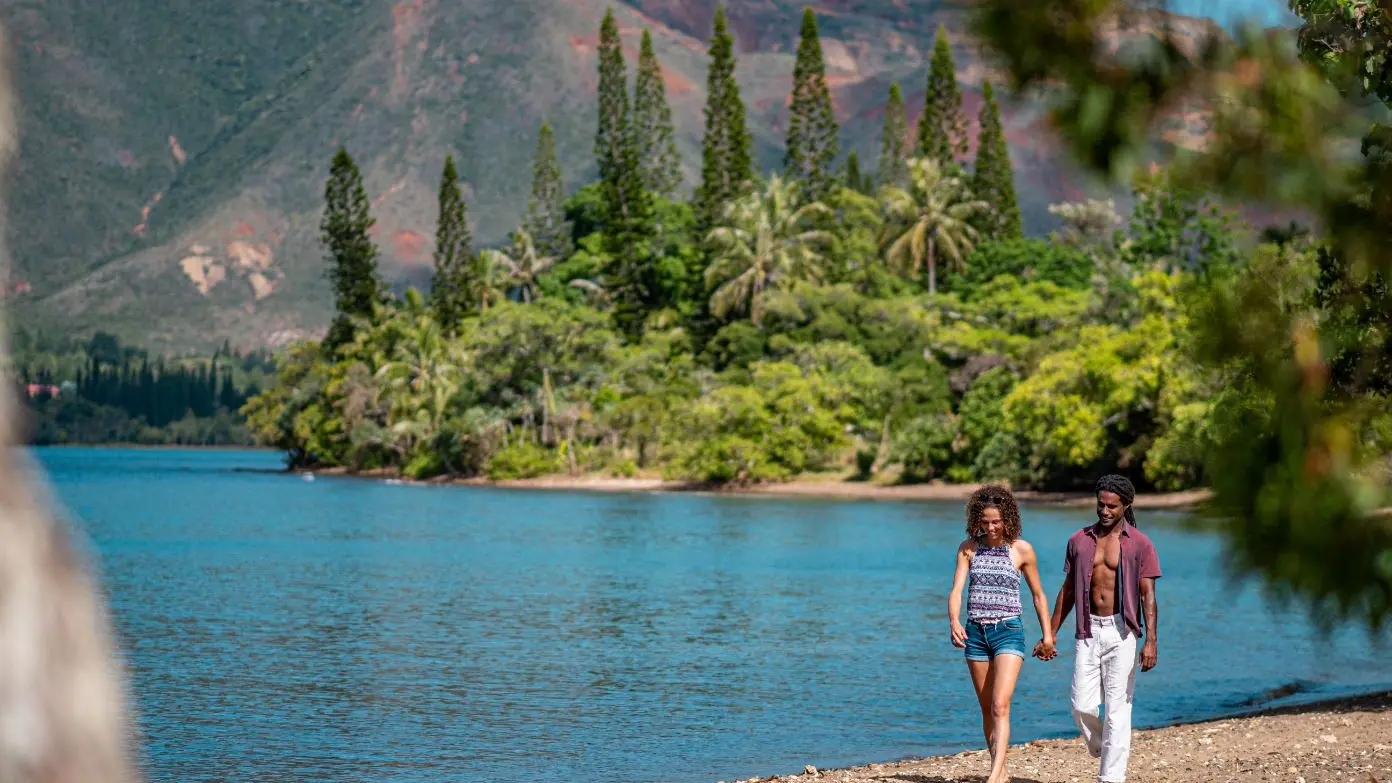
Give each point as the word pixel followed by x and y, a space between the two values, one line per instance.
pixel 425 369
pixel 928 219
pixel 488 284
pixel 522 265
pixel 595 294
pixel 766 243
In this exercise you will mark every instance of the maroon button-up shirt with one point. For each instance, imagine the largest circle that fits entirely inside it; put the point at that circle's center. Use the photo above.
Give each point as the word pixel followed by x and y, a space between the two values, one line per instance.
pixel 1138 561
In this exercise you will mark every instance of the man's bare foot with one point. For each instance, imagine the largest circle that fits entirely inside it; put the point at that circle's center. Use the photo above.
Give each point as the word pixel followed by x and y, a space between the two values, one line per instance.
pixel 999 777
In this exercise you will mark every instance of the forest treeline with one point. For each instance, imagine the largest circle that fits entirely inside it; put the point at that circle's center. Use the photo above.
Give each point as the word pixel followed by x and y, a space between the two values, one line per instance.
pixel 98 391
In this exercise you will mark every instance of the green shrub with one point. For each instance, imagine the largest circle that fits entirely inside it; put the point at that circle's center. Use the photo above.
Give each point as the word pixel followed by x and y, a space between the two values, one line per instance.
pixel 523 459
pixel 924 447
pixel 1000 459
pixel 865 463
pixel 1028 260
pixel 422 465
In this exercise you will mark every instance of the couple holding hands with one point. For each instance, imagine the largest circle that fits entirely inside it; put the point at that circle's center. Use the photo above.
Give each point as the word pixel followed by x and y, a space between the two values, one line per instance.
pixel 1110 568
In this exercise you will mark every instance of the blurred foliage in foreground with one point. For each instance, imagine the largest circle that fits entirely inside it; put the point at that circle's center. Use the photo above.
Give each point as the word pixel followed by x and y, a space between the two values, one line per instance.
pixel 1301 434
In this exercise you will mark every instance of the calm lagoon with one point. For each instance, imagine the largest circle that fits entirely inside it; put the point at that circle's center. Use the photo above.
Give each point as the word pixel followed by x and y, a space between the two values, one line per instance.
pixel 340 629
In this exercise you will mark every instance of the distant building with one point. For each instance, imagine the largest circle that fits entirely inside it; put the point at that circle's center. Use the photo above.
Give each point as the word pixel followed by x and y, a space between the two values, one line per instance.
pixel 43 390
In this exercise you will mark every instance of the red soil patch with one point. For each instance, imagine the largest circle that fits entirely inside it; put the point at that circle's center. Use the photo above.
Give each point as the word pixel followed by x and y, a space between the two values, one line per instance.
pixel 409 246
pixel 676 83
pixel 127 159
pixel 177 150
pixel 145 214
pixel 842 89
pixel 584 44
pixel 388 193
pixel 404 19
pixel 661 29
pixel 244 229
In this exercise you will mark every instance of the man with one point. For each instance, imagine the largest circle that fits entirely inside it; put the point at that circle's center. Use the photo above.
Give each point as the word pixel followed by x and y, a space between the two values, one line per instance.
pixel 1110 571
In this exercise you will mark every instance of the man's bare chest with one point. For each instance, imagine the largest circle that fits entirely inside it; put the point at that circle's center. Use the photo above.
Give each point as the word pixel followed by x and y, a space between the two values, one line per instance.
pixel 1106 559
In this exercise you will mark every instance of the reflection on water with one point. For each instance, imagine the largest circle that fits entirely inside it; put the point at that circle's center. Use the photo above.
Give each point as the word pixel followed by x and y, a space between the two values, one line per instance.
pixel 346 630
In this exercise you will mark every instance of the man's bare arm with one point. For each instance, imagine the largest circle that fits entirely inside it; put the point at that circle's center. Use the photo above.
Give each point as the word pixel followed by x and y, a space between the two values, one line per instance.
pixel 1150 651
pixel 1063 604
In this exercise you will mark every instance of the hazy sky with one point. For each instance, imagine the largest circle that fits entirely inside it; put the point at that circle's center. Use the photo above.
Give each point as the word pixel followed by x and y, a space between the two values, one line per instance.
pixel 1227 12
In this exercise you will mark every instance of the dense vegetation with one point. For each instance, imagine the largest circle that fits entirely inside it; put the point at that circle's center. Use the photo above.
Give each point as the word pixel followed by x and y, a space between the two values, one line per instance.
pixel 99 391
pixel 913 332
pixel 779 325
pixel 1301 427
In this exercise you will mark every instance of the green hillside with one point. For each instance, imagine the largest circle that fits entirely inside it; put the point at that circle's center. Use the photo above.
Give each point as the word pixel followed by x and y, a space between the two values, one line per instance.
pixel 173 156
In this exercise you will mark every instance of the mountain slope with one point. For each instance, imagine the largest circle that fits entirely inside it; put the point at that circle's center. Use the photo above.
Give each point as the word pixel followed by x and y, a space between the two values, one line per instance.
pixel 190 173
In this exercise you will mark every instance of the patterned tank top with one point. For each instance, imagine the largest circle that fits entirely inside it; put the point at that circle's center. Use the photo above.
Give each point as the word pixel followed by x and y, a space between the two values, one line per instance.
pixel 994 593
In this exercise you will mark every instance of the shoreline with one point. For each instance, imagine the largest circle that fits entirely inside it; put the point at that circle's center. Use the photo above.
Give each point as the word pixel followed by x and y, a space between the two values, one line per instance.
pixel 816 488
pixel 1345 738
pixel 149 447
pixel 812 488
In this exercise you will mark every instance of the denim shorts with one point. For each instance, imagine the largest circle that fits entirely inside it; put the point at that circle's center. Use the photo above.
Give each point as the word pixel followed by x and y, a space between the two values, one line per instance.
pixel 989 639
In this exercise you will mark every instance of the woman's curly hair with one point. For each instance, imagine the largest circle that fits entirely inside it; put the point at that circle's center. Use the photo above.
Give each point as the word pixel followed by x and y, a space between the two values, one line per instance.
pixel 999 498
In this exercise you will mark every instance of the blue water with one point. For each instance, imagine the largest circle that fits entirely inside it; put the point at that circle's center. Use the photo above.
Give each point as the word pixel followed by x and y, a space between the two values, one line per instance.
pixel 349 630
pixel 1232 13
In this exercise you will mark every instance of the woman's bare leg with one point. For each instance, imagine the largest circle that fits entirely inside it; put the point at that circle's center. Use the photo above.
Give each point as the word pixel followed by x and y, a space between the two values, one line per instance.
pixel 1005 670
pixel 981 683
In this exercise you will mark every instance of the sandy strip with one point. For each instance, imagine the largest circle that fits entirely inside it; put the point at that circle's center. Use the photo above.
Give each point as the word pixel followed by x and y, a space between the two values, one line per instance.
pixel 1341 742
pixel 839 490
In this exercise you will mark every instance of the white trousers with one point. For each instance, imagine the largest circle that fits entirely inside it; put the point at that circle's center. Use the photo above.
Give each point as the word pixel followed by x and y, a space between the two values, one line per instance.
pixel 1104 675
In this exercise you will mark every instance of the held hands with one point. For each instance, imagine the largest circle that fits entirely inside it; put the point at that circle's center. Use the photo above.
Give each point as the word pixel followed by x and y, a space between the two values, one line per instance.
pixel 1045 650
pixel 1150 655
pixel 959 635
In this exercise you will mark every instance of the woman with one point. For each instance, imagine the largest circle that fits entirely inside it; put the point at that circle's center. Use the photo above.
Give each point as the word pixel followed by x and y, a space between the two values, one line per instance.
pixel 993 558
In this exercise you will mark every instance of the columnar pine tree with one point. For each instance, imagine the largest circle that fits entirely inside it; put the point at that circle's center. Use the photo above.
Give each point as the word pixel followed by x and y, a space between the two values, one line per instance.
pixel 652 122
pixel 894 156
pixel 628 214
pixel 449 290
pixel 855 180
pixel 812 144
pixel 614 136
pixel 727 162
pixel 993 181
pixel 349 250
pixel 942 128
pixel 546 222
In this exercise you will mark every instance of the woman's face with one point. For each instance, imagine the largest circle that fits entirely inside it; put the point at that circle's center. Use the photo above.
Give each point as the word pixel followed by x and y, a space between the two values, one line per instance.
pixel 992 523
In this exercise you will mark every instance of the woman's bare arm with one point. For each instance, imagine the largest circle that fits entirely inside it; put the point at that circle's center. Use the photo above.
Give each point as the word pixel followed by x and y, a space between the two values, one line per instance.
pixel 1029 566
pixel 954 599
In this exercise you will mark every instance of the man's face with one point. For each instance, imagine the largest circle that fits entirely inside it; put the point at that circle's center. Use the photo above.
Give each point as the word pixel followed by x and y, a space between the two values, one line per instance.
pixel 1110 509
